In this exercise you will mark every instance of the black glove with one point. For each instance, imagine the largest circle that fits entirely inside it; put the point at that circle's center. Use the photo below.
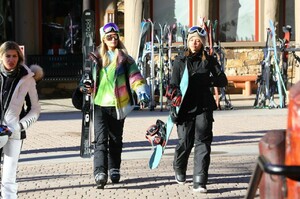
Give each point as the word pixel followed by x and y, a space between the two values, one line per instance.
pixel 4 131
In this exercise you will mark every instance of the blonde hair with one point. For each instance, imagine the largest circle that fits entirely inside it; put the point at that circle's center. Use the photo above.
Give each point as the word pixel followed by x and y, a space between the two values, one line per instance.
pixel 103 52
pixel 11 45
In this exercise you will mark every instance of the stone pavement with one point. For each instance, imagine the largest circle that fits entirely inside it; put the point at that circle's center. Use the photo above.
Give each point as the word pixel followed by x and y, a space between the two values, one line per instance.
pixel 50 166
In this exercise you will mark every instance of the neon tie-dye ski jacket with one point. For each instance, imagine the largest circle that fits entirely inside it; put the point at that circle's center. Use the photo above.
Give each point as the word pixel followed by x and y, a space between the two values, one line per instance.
pixel 127 79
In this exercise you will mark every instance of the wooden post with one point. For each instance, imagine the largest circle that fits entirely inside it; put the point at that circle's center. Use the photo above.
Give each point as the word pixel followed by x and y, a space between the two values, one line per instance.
pixel 272 147
pixel 293 139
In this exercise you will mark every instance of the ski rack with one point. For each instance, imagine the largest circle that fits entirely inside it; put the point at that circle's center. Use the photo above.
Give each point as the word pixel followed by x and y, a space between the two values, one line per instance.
pixel 157 72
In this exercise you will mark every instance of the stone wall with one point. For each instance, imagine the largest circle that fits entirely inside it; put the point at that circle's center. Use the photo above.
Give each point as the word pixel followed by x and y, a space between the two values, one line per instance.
pixel 243 61
pixel 247 61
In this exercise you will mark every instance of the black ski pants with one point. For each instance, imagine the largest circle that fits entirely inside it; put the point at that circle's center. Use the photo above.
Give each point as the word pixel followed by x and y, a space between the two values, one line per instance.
pixel 108 139
pixel 196 132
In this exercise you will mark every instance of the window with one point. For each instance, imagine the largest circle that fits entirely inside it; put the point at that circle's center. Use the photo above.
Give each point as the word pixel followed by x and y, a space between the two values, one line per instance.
pixel 61 30
pixel 237 20
pixel 174 13
pixel 290 15
pixel 7 21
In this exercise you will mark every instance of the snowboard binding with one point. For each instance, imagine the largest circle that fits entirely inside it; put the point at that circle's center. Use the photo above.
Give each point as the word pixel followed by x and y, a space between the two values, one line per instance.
pixel 156 134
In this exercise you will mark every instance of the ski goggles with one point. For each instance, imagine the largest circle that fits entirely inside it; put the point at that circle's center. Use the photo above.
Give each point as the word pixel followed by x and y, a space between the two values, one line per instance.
pixel 111 37
pixel 110 27
pixel 199 30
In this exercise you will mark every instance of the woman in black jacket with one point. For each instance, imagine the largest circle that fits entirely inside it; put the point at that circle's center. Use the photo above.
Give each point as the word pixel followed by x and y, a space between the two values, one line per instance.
pixel 195 118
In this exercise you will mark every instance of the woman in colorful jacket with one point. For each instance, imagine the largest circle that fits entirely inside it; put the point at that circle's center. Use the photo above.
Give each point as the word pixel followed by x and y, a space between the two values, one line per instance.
pixel 117 76
pixel 16 81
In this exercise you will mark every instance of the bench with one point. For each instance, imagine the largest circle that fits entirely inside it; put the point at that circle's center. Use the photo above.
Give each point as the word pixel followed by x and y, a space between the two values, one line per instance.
pixel 58 67
pixel 247 83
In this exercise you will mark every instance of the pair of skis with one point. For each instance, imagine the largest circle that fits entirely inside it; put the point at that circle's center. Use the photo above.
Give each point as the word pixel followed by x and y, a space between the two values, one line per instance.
pixel 89 76
pixel 280 83
pixel 265 81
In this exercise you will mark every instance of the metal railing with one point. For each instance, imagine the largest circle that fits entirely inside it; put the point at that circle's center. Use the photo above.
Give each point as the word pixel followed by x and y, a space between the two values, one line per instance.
pixel 58 67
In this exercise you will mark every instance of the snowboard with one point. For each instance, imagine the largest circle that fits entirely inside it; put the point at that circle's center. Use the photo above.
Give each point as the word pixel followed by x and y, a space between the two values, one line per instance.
pixel 159 149
pixel 145 26
pixel 88 27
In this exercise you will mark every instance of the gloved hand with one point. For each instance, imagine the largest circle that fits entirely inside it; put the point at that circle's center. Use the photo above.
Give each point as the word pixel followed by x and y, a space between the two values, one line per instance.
pixel 173 93
pixel 4 131
pixel 86 87
pixel 4 134
pixel 144 100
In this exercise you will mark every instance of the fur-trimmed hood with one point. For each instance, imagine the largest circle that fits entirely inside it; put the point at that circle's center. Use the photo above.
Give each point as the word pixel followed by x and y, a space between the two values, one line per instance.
pixel 38 72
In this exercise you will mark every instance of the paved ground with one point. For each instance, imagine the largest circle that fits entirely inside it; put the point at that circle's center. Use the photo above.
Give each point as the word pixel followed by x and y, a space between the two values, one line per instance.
pixel 50 166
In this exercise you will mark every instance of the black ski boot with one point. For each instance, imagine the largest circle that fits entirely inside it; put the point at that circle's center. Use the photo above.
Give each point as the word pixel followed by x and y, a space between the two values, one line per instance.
pixel 180 177
pixel 114 175
pixel 199 184
pixel 101 180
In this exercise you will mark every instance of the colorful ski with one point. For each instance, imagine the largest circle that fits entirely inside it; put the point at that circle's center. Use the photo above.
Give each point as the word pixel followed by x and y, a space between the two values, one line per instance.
pixel 285 55
pixel 88 28
pixel 152 69
pixel 160 64
pixel 159 149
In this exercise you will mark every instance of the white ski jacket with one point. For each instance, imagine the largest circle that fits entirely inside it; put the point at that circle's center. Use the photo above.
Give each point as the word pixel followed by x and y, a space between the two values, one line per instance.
pixel 27 84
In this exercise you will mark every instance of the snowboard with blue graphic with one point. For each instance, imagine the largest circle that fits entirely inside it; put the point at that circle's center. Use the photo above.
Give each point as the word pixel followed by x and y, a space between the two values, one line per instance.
pixel 159 149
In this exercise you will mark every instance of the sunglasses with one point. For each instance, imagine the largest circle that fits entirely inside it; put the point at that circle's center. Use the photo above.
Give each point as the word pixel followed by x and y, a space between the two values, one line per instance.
pixel 199 30
pixel 111 37
pixel 110 27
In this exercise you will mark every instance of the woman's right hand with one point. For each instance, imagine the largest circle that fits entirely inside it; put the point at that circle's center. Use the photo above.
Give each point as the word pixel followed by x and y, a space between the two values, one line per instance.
pixel 86 88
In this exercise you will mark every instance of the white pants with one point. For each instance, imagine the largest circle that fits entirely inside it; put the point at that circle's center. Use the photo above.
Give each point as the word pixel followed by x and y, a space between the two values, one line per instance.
pixel 9 186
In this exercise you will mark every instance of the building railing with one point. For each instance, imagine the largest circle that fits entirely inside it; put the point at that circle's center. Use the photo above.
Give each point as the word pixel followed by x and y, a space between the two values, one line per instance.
pixel 58 67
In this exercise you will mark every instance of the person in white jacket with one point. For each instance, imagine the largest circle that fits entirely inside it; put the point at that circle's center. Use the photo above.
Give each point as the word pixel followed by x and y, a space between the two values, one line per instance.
pixel 16 81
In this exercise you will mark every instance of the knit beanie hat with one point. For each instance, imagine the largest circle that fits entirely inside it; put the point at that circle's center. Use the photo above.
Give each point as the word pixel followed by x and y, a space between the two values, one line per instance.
pixel 195 34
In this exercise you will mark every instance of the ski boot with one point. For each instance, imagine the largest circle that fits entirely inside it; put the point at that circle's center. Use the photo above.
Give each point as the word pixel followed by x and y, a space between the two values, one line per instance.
pixel 101 180
pixel 114 175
